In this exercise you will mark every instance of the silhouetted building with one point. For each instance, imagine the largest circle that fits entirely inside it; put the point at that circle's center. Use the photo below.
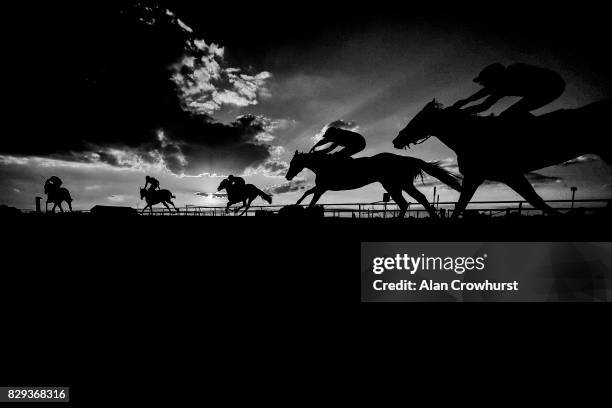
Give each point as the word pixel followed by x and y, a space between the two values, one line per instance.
pixel 111 211
pixel 9 211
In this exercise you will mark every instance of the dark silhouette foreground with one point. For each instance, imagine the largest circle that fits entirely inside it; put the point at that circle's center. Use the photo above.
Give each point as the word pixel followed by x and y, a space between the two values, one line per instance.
pixel 56 194
pixel 298 211
pixel 505 148
pixel 239 192
pixel 153 197
pixel 536 86
pixel 395 173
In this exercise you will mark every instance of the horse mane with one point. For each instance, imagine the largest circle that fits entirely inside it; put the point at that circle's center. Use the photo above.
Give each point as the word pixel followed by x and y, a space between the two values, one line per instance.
pixel 437 105
pixel 318 156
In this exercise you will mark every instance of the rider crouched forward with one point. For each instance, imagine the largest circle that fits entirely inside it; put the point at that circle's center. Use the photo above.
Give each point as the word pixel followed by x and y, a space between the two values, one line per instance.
pixel 351 142
pixel 536 86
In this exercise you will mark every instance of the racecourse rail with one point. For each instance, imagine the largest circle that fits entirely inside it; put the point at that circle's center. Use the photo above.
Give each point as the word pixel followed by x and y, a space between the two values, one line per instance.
pixel 389 210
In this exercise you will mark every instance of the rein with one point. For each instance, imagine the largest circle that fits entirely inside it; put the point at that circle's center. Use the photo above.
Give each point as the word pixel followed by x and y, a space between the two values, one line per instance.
pixel 422 140
pixel 418 142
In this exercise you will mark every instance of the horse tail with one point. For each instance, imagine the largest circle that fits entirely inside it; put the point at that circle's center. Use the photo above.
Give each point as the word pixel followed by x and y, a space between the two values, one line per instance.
pixel 263 195
pixel 67 197
pixel 435 170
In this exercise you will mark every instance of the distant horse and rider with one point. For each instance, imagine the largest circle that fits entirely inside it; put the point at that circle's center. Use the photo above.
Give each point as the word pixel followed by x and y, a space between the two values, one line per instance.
pixel 56 194
pixel 507 147
pixel 240 192
pixel 154 195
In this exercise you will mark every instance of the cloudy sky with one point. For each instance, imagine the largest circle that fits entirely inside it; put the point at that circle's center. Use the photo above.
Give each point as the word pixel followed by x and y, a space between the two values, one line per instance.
pixel 103 95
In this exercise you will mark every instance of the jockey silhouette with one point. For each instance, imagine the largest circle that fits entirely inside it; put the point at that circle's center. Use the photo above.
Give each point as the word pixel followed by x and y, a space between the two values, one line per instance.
pixel 237 182
pixel 537 86
pixel 53 182
pixel 153 182
pixel 351 142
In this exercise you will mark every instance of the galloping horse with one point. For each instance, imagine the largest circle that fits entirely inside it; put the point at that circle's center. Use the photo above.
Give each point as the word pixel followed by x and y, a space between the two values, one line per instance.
pixel 153 197
pixel 246 194
pixel 504 149
pixel 394 172
pixel 56 195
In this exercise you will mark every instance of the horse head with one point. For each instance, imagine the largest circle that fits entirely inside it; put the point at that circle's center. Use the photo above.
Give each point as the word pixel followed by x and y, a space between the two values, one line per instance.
pixel 297 164
pixel 224 185
pixel 143 193
pixel 420 127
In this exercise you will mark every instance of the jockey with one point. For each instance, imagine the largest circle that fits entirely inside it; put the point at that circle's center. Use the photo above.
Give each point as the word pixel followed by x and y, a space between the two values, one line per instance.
pixel 153 182
pixel 236 181
pixel 351 142
pixel 535 85
pixel 54 182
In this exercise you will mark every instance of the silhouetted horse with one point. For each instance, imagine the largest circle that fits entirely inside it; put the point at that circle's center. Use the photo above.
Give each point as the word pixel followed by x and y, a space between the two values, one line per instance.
pixel 56 195
pixel 153 197
pixel 246 194
pixel 504 149
pixel 394 172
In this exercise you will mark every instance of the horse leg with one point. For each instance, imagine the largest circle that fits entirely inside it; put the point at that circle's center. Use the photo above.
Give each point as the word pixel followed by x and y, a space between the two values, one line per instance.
pixel 145 207
pixel 396 194
pixel 69 205
pixel 60 207
pixel 248 204
pixel 306 194
pixel 177 210
pixel 244 204
pixel 468 188
pixel 166 205
pixel 316 196
pixel 522 186
pixel 412 191
pixel 238 208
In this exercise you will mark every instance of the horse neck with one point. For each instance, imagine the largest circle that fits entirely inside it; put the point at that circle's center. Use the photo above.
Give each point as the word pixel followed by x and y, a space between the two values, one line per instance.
pixel 315 164
pixel 447 128
pixel 150 194
pixel 231 191
pixel 52 190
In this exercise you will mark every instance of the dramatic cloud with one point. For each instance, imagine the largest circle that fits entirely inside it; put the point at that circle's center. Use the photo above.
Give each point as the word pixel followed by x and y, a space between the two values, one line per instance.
pixel 142 98
pixel 210 195
pixel 587 158
pixel 198 146
pixel 205 85
pixel 274 166
pixel 537 178
pixel 288 187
